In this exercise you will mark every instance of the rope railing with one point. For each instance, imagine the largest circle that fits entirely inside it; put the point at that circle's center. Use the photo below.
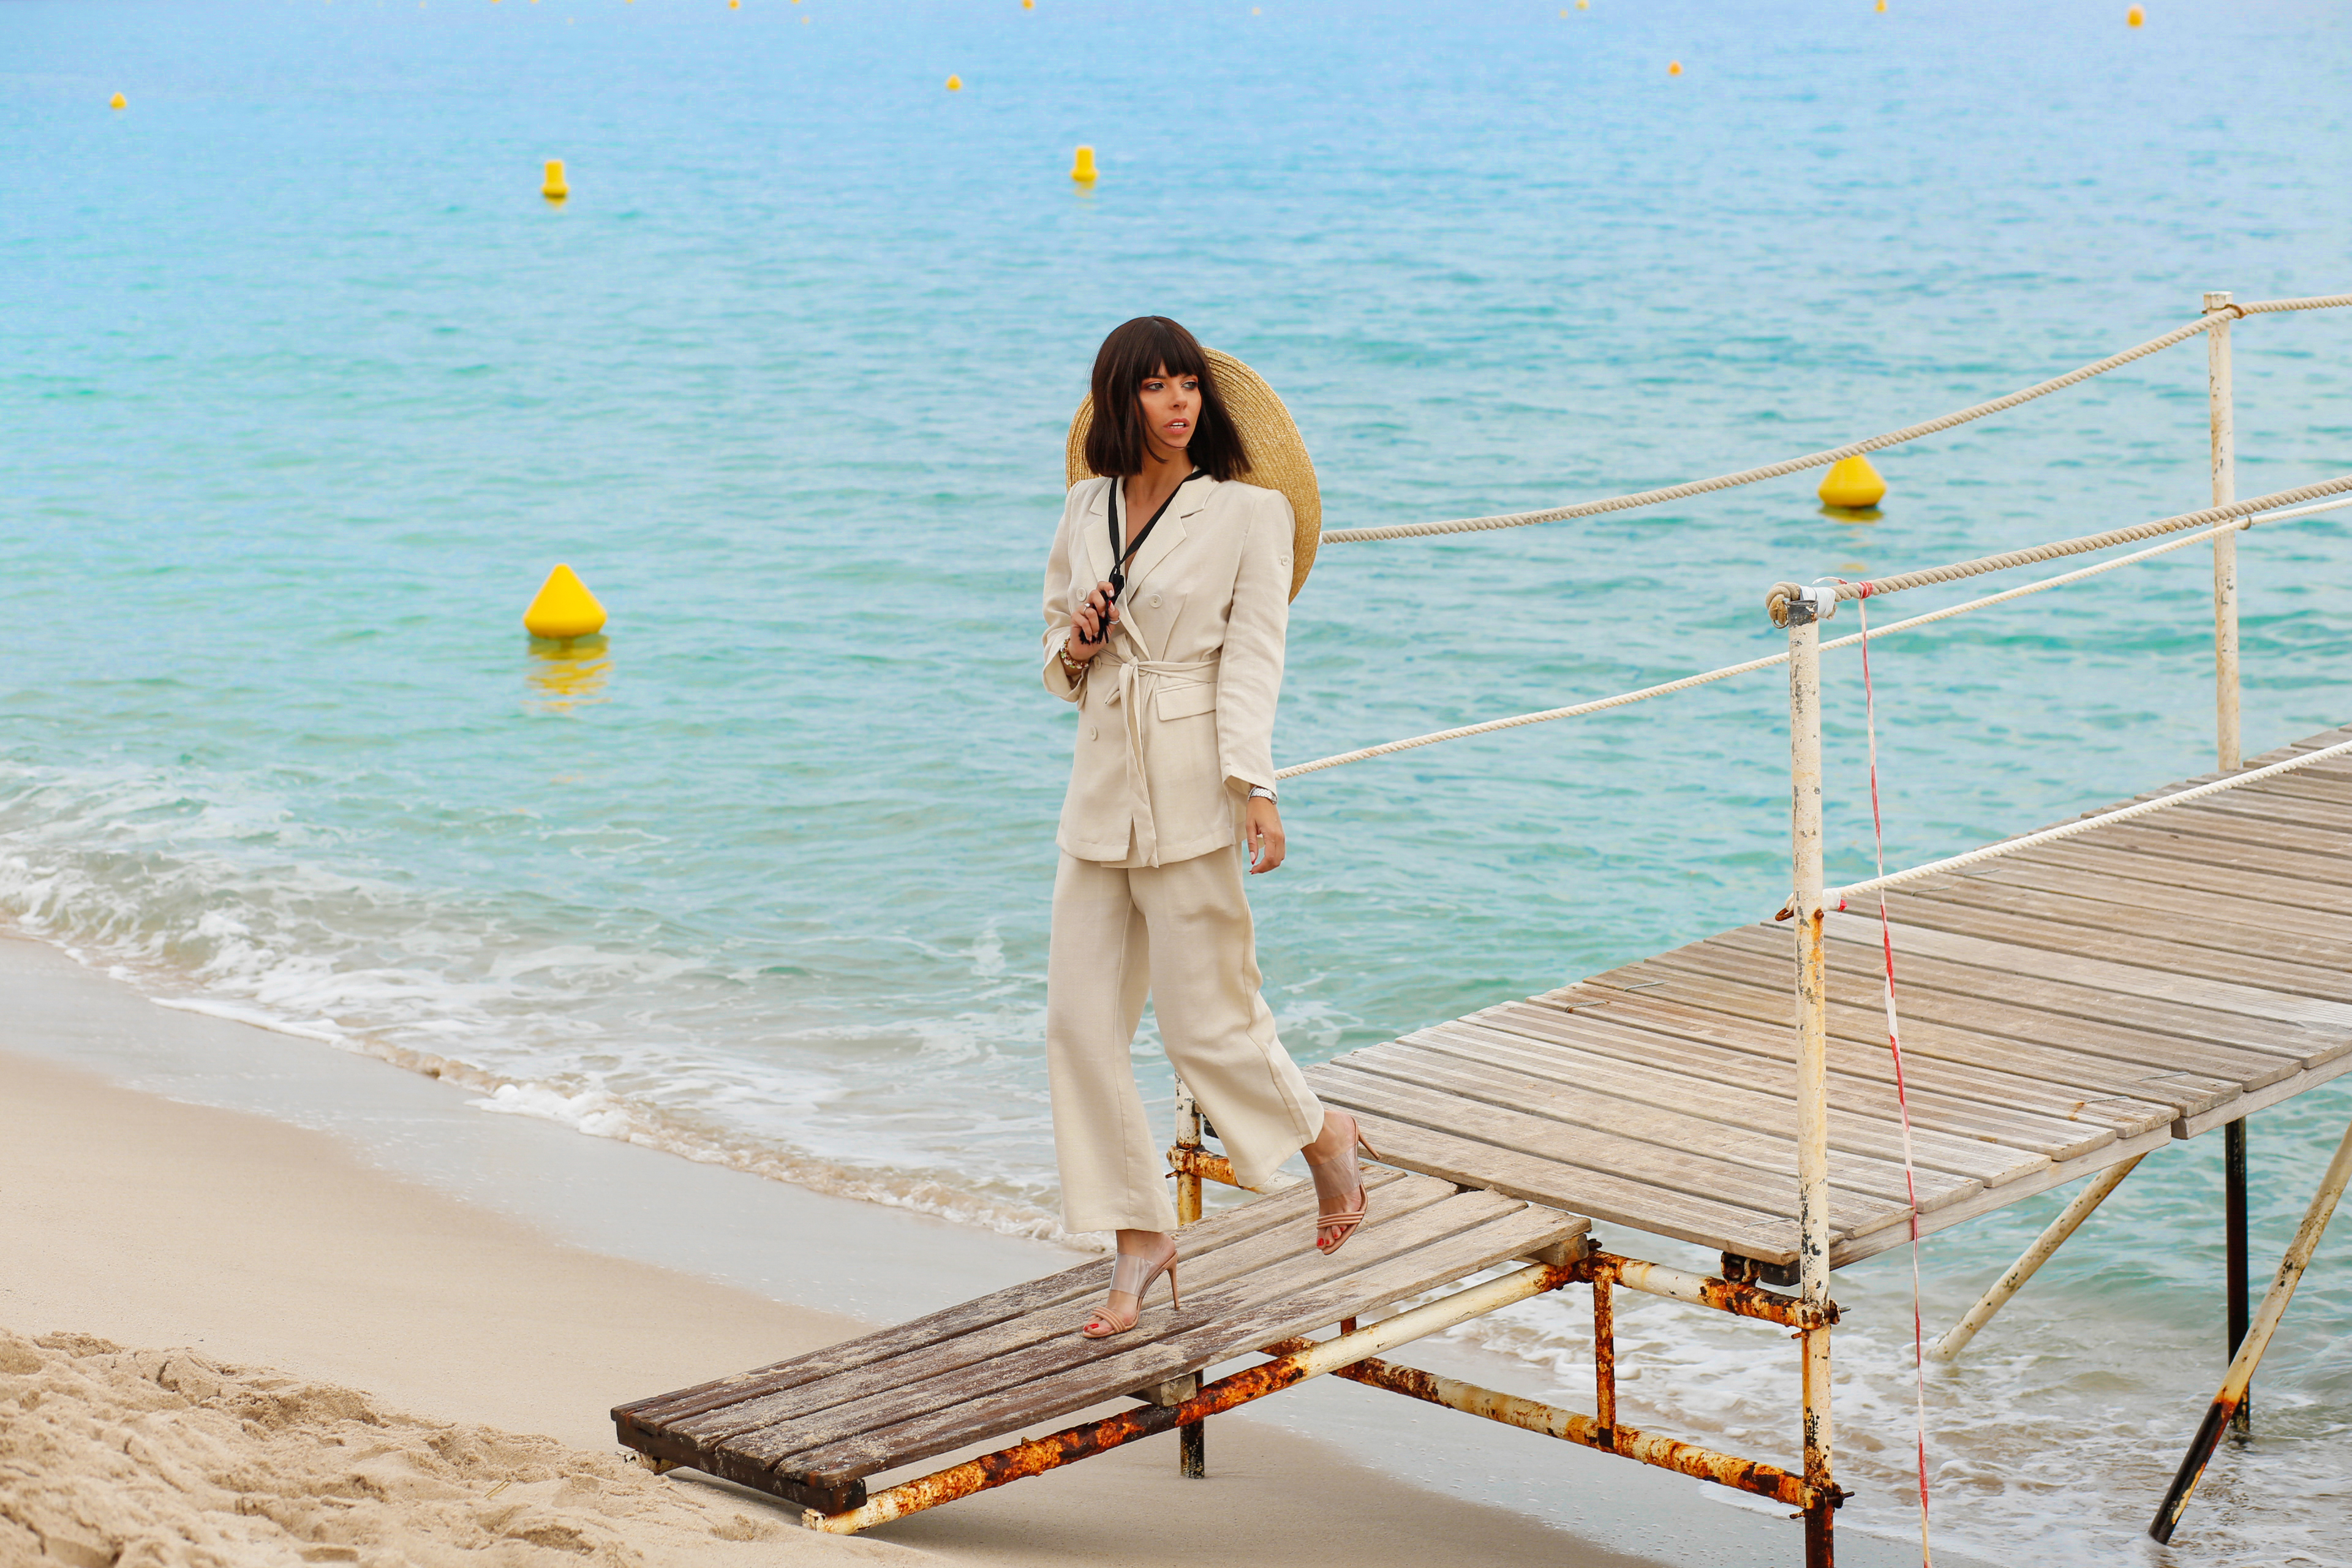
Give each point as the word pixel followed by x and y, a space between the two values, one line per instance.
pixel 1879 587
pixel 1836 898
pixel 1851 449
pixel 1666 688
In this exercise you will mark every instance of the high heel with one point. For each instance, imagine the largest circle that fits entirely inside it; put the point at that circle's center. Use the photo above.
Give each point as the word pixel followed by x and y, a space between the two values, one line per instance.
pixel 1348 1221
pixel 1133 1274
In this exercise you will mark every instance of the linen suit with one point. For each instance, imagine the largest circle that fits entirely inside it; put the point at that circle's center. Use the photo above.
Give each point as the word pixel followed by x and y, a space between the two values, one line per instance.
pixel 1175 724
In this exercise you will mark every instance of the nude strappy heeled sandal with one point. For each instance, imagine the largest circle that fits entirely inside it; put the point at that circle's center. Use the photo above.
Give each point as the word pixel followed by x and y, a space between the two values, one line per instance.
pixel 1134 1274
pixel 1348 1220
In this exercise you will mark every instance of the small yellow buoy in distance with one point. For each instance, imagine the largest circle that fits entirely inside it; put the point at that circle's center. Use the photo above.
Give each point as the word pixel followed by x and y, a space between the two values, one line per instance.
pixel 1673 67
pixel 1851 485
pixel 117 101
pixel 563 608
pixel 1028 5
pixel 1082 167
pixel 555 190
pixel 734 5
pixel 2134 18
pixel 955 84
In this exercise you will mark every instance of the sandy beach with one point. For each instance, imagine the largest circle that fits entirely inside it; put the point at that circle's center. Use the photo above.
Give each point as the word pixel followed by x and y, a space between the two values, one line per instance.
pixel 233 1340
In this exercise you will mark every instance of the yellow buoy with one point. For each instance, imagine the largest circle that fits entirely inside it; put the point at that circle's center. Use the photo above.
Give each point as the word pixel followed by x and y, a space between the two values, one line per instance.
pixel 734 5
pixel 117 101
pixel 1673 67
pixel 555 190
pixel 1851 485
pixel 1028 5
pixel 955 84
pixel 2134 18
pixel 564 609
pixel 1082 168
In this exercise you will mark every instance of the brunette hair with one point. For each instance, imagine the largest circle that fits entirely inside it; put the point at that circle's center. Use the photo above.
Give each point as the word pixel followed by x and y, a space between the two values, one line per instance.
pixel 1135 351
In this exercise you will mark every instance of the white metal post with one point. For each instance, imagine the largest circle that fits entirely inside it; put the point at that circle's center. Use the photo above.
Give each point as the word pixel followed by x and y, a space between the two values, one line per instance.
pixel 2225 546
pixel 1804 609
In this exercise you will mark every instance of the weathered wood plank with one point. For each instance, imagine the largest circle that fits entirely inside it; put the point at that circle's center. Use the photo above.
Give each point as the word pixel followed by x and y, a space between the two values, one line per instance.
pixel 1704 1222
pixel 1645 1122
pixel 2212 1041
pixel 2160 841
pixel 1063 1394
pixel 2328 1024
pixel 1264 1255
pixel 1355 1081
pixel 2071 1086
pixel 2091 875
pixel 1856 975
pixel 922 1387
pixel 1930 1113
pixel 2096 852
pixel 1756 1092
pixel 2263 1099
pixel 1289 1206
pixel 2045 913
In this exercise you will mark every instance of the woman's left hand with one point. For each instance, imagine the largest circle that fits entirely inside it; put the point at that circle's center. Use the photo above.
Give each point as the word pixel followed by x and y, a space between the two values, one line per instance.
pixel 1265 834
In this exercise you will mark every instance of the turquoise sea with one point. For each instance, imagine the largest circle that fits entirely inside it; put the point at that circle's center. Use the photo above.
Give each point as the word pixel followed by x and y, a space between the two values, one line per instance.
pixel 304 388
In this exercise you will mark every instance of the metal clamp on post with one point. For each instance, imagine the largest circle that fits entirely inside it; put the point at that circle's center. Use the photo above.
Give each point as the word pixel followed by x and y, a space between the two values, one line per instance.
pixel 1792 603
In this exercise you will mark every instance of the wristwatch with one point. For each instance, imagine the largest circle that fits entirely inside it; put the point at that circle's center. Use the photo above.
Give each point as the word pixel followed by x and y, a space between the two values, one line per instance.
pixel 1259 792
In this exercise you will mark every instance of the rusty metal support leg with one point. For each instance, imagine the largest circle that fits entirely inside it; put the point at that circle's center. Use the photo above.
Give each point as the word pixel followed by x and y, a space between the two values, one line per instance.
pixel 1192 1439
pixel 1604 1355
pixel 2258 1339
pixel 2233 1207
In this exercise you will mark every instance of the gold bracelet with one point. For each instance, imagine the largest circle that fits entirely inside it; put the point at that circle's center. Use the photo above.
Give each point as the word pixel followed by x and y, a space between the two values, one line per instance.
pixel 1071 667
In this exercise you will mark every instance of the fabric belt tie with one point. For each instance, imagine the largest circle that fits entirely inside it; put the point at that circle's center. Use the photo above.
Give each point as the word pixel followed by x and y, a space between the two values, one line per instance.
pixel 1140 681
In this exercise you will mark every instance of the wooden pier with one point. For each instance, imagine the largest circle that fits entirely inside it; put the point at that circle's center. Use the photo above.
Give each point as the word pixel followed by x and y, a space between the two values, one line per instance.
pixel 2064 1009
pixel 2070 1001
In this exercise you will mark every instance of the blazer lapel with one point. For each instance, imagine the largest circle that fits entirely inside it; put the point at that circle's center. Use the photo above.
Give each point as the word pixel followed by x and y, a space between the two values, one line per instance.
pixel 1094 534
pixel 1170 531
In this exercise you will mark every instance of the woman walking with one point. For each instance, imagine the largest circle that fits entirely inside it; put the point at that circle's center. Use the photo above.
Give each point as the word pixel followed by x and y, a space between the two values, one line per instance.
pixel 1167 596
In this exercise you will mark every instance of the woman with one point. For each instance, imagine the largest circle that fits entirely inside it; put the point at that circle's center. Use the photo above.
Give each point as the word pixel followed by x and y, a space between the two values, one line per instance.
pixel 1166 599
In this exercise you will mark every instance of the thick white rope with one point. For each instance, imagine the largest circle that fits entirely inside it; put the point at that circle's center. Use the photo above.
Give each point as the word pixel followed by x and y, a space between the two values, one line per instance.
pixel 1823 458
pixel 2313 303
pixel 1624 699
pixel 1879 587
pixel 1837 898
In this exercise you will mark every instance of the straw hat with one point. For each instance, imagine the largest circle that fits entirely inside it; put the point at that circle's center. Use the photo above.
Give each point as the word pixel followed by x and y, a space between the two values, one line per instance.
pixel 1278 458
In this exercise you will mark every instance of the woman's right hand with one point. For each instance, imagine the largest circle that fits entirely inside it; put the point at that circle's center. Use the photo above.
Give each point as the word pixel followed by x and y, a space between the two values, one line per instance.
pixel 1091 622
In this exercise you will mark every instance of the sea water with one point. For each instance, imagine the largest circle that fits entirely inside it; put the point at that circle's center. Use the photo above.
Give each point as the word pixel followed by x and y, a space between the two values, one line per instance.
pixel 305 387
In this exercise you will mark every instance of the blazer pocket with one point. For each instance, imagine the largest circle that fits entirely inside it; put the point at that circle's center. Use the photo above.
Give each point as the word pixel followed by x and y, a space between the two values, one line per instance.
pixel 1185 701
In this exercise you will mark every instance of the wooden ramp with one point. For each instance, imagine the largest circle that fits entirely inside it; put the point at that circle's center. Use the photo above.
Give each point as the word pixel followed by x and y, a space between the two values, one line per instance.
pixel 812 1430
pixel 2063 1008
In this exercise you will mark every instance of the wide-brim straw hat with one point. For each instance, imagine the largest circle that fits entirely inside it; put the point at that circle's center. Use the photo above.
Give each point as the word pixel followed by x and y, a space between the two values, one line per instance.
pixel 1278 458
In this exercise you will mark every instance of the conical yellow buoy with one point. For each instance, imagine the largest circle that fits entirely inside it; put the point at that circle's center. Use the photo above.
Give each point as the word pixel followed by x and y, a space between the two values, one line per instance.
pixel 1851 485
pixel 2134 18
pixel 1082 168
pixel 1673 67
pixel 955 84
pixel 564 609
pixel 555 190
pixel 117 101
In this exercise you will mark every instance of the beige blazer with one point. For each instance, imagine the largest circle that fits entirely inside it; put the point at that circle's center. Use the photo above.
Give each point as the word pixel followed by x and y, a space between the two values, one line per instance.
pixel 1176 716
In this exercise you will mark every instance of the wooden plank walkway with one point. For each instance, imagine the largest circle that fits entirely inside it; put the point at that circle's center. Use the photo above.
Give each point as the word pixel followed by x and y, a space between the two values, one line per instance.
pixel 2062 1009
pixel 813 1428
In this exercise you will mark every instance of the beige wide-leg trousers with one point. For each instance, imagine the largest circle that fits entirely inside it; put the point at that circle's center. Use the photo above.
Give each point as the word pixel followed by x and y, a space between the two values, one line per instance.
pixel 1183 934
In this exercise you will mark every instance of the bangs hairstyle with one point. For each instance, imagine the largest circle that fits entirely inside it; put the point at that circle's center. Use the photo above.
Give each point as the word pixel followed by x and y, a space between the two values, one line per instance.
pixel 1133 353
